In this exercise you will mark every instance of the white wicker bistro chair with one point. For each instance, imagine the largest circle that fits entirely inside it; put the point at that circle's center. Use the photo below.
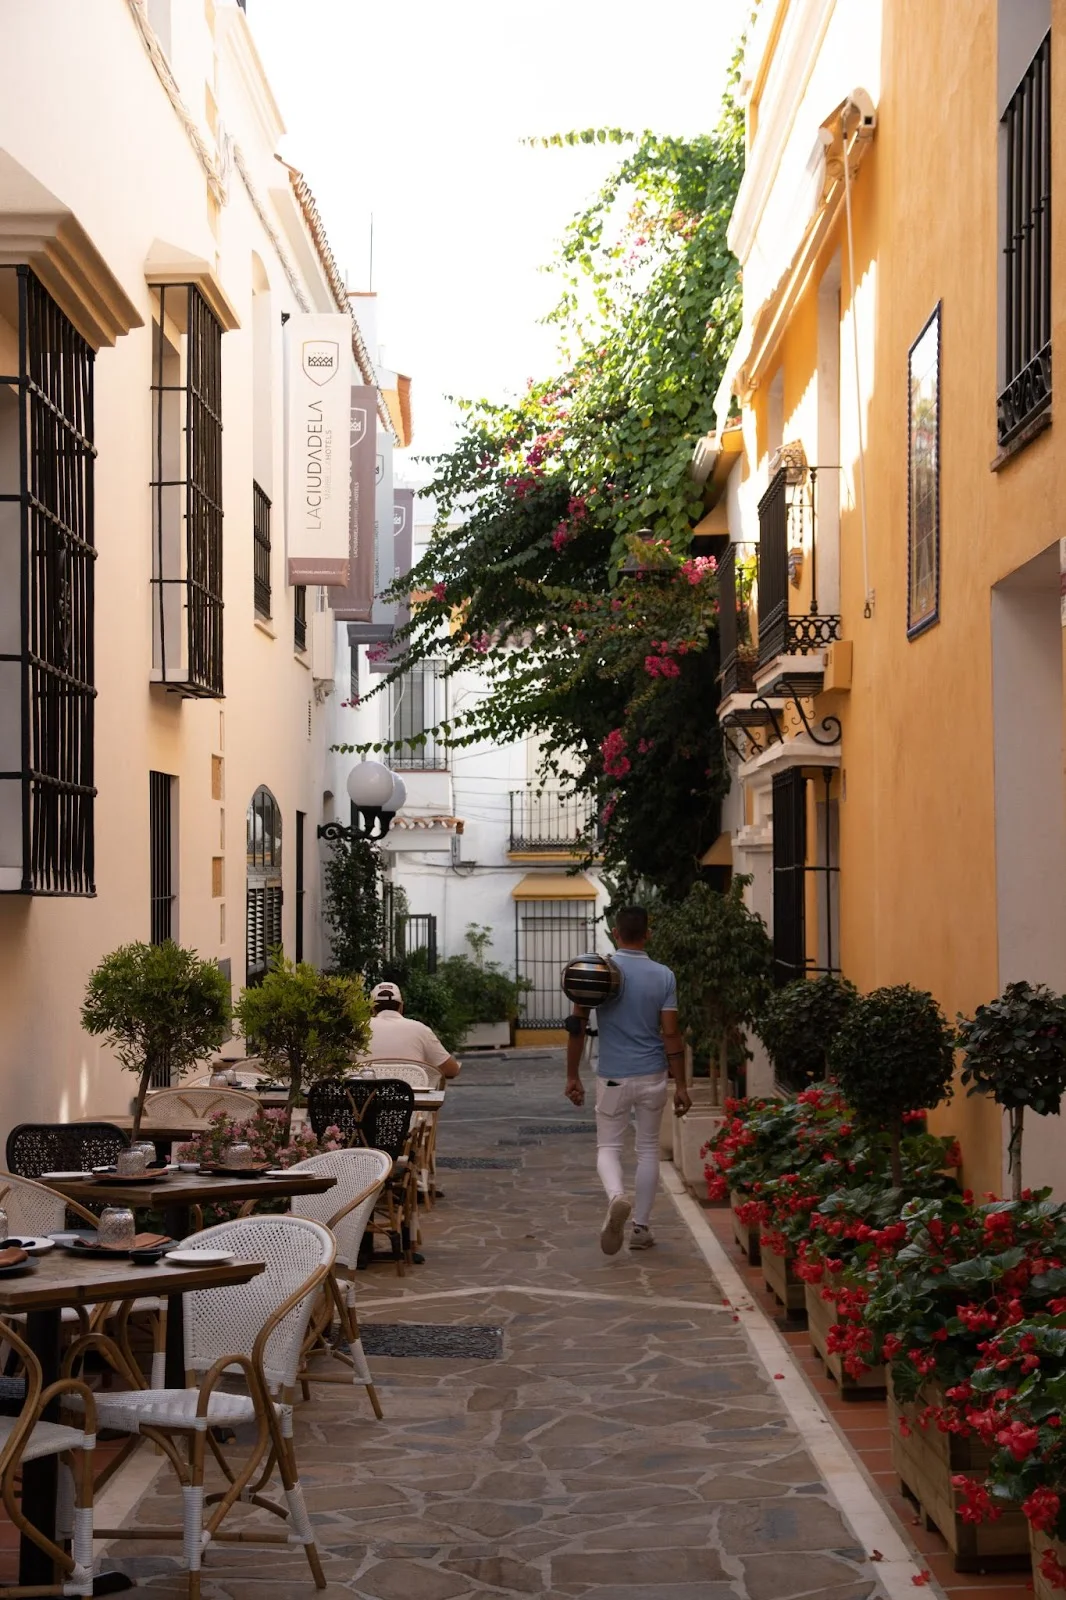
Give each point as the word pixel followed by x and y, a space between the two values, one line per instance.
pixel 415 1073
pixel 255 1330
pixel 185 1107
pixel 34 1209
pixel 345 1210
pixel 28 1438
pixel 247 1078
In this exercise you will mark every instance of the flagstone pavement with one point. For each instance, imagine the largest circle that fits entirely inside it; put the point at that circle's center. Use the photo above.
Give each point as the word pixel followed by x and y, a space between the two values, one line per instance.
pixel 624 1446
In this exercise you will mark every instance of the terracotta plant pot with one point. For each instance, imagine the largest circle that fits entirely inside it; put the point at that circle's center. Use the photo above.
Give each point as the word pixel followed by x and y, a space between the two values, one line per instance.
pixel 821 1315
pixel 781 1280
pixel 747 1238
pixel 1039 1542
pixel 925 1461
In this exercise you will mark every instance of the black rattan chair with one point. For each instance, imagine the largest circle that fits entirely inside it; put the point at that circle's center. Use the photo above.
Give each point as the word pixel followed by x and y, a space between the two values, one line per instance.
pixel 367 1111
pixel 34 1148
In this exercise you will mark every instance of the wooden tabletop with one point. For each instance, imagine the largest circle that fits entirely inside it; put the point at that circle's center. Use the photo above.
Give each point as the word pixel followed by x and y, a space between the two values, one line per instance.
pixel 189 1189
pixel 59 1278
pixel 155 1127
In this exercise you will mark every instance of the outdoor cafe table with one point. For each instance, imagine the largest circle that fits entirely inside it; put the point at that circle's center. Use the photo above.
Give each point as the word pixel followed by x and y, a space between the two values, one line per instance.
pixel 59 1279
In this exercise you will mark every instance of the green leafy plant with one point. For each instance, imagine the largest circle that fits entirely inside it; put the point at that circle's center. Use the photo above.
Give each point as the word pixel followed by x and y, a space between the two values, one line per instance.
pixel 482 990
pixel 306 1024
pixel 893 1054
pixel 161 1007
pixel 722 958
pixel 429 998
pixel 1015 1051
pixel 353 909
pixel 799 1023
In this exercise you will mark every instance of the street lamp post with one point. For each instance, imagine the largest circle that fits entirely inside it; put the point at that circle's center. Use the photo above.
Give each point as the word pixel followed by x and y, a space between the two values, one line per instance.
pixel 376 794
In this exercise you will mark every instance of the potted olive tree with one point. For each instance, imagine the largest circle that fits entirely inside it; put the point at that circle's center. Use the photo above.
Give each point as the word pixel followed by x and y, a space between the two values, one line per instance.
pixel 1015 1051
pixel 161 1008
pixel 893 1053
pixel 799 1023
pixel 306 1025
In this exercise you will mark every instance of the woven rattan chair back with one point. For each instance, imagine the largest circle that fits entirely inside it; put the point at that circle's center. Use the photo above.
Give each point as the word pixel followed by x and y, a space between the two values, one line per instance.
pixel 34 1148
pixel 33 1208
pixel 230 1321
pixel 412 1072
pixel 360 1175
pixel 183 1107
pixel 247 1078
pixel 366 1111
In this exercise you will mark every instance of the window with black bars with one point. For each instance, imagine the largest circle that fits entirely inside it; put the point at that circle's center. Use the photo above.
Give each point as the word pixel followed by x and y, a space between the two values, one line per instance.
pixel 47 664
pixel 417 706
pixel 301 820
pixel 264 890
pixel 261 550
pixel 773 569
pixel 299 617
pixel 548 934
pixel 1026 225
pixel 793 871
pixel 187 493
pixel 161 855
pixel 353 672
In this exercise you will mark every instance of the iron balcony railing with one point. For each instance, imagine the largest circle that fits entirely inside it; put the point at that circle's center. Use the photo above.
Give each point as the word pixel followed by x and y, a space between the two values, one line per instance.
pixel 737 657
pixel 544 819
pixel 418 702
pixel 407 933
pixel 261 550
pixel 786 512
pixel 1027 250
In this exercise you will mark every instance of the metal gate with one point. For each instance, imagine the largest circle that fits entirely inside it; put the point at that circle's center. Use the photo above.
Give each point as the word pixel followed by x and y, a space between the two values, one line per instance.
pixel 548 933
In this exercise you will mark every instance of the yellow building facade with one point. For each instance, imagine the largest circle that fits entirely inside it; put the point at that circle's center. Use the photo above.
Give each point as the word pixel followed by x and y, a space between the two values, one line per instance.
pixel 893 692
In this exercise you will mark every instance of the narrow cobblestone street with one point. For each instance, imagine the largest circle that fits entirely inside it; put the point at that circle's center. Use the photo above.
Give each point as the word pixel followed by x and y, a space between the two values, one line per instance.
pixel 624 1444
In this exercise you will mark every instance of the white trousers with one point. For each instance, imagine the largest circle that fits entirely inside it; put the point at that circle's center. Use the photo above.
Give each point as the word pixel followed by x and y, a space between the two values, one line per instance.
pixel 641 1101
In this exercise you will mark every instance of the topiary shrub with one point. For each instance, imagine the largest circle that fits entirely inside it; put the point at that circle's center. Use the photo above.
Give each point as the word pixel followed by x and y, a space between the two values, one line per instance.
pixel 893 1053
pixel 306 1024
pixel 1015 1051
pixel 799 1023
pixel 161 1007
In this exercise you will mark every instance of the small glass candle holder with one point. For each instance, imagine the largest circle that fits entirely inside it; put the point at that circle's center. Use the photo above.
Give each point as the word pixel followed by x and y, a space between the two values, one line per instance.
pixel 238 1156
pixel 148 1150
pixel 219 1079
pixel 3 1226
pixel 116 1228
pixel 130 1163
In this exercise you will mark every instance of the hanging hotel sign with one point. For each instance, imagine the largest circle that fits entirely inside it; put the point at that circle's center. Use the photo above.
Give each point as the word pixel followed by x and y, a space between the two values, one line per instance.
pixel 355 602
pixel 318 371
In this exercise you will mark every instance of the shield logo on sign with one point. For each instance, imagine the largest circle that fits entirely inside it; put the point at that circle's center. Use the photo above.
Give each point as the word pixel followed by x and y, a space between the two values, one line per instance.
pixel 379 471
pixel 399 519
pixel 321 359
pixel 359 424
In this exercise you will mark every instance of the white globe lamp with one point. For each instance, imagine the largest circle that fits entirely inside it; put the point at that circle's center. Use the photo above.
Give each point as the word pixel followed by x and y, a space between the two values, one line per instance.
pixel 370 786
pixel 399 794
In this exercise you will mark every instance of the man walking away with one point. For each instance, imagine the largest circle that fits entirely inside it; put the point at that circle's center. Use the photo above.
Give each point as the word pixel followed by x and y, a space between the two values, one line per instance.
pixel 640 1051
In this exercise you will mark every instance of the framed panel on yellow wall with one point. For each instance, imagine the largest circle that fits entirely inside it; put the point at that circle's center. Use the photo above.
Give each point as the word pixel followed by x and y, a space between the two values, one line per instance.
pixel 923 478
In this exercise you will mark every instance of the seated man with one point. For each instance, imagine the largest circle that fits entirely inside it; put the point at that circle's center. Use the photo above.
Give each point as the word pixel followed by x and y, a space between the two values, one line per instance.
pixel 394 1037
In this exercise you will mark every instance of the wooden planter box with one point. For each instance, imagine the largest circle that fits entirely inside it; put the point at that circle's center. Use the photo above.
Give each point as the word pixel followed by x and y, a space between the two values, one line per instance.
pixel 783 1284
pixel 747 1238
pixel 925 1463
pixel 821 1315
pixel 1039 1542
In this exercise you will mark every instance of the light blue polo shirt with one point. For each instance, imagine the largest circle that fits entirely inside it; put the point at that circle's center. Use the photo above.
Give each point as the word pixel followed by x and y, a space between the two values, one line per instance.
pixel 631 1044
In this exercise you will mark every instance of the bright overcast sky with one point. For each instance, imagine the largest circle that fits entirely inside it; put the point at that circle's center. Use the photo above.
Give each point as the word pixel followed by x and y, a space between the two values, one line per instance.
pixel 413 111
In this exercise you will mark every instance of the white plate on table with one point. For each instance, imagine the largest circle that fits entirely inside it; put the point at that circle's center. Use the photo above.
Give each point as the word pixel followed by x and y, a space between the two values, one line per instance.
pixel 47 1175
pixel 199 1258
pixel 32 1246
pixel 276 1172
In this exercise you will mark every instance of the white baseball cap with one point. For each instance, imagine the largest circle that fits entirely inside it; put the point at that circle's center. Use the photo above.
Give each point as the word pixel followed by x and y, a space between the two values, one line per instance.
pixel 386 991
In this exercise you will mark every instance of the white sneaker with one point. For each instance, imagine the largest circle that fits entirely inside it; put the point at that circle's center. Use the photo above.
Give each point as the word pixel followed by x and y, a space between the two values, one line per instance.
pixel 613 1232
pixel 641 1238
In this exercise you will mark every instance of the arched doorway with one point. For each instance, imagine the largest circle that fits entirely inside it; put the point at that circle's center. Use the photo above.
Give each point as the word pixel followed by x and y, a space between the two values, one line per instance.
pixel 263 925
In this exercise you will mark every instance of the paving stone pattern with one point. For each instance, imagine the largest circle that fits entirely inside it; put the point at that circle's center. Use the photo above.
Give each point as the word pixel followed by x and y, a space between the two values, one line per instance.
pixel 625 1447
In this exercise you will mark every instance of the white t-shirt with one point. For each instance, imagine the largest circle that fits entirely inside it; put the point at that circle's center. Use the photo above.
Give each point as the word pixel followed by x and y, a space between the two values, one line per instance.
pixel 394 1037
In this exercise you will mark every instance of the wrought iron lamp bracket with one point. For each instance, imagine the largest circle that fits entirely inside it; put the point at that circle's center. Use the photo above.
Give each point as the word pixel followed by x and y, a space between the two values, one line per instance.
pixel 829 726
pixel 374 823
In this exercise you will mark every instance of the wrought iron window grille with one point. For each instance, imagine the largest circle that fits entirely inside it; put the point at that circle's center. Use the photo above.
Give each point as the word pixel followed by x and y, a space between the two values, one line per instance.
pixel 187 493
pixel 161 855
pixel 47 666
pixel 788 518
pixel 264 885
pixel 1027 251
pixel 417 706
pixel 299 618
pixel 261 550
pixel 791 872
pixel 545 819
pixel 548 934
pixel 738 655
pixel 407 933
pixel 301 823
